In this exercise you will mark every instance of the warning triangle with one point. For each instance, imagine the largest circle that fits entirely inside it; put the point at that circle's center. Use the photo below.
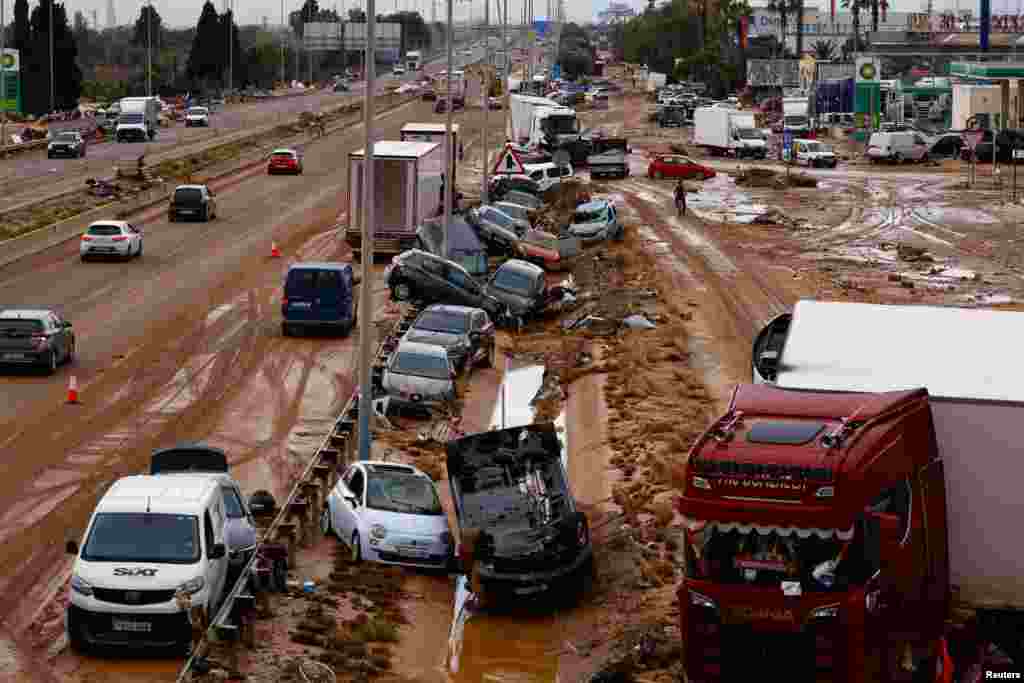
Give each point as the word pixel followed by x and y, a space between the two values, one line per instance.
pixel 508 162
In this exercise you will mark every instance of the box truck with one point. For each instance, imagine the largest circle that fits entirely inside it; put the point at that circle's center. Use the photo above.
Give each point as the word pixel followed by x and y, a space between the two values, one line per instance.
pixel 728 132
pixel 138 120
pixel 434 132
pixel 855 511
pixel 521 108
pixel 407 185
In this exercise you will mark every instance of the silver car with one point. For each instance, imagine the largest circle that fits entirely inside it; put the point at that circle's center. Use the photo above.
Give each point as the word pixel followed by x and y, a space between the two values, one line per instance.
pixel 419 375
pixel 513 210
pixel 391 513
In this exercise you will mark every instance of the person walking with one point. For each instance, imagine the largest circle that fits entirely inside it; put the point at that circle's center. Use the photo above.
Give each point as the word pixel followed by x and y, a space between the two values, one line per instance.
pixel 680 195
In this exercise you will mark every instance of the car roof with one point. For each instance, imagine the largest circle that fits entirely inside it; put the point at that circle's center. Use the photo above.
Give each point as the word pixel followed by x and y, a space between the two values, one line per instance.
pixel 448 308
pixel 383 465
pixel 522 266
pixel 181 494
pixel 420 348
pixel 320 265
pixel 594 205
pixel 284 150
pixel 25 313
pixel 120 224
pixel 190 187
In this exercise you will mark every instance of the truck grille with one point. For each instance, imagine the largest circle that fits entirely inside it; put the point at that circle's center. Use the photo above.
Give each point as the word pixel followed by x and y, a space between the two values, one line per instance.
pixel 124 597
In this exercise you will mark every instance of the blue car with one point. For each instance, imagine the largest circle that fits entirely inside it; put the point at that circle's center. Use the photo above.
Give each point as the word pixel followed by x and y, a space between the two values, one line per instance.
pixel 319 295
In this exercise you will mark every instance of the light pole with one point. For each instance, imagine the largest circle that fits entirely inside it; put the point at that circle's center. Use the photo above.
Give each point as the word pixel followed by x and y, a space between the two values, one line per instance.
pixel 449 181
pixel 365 298
pixel 508 71
pixel 53 100
pixel 284 32
pixel 231 44
pixel 149 50
pixel 3 77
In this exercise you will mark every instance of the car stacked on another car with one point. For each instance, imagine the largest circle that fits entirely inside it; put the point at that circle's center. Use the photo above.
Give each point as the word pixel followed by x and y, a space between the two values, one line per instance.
pixel 70 143
pixel 466 333
pixel 418 275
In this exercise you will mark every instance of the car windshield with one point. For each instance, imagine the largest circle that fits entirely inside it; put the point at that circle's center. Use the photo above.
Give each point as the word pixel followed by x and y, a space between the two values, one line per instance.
pixel 19 327
pixel 68 137
pixel 104 230
pixel 188 195
pixel 283 155
pixel 513 281
pixel 438 321
pixel 198 111
pixel 402 492
pixel 497 217
pixel 562 124
pixel 421 365
pixel 232 506
pixel 143 537
pixel 590 216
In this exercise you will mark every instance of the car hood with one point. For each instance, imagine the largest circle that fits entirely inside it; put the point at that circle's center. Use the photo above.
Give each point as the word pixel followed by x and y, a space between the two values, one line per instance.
pixel 588 228
pixel 518 305
pixel 405 523
pixel 239 534
pixel 446 339
pixel 428 387
pixel 161 576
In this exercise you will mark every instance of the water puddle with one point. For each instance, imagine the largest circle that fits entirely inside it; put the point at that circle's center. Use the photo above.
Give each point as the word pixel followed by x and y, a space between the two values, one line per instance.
pixel 955 215
pixel 518 387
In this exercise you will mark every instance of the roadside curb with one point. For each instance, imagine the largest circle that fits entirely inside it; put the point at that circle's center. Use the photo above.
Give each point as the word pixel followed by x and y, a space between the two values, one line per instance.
pixel 52 235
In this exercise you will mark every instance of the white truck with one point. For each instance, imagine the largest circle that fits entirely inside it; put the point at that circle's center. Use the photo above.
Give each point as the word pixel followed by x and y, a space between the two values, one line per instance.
pixel 138 120
pixel 554 127
pixel 655 80
pixel 728 132
pixel 414 60
pixel 794 114
pixel 521 108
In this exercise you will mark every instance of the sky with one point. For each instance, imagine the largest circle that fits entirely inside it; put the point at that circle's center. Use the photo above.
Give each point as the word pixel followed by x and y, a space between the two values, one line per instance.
pixel 180 13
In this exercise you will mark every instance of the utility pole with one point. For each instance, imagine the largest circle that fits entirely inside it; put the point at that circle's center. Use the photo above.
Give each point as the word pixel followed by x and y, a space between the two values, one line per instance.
pixel 366 288
pixel 53 99
pixel 149 50
pixel 448 178
pixel 284 33
pixel 3 76
pixel 486 98
pixel 508 71
pixel 231 44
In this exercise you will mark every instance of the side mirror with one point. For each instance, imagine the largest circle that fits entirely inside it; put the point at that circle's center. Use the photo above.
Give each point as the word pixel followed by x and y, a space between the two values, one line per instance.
pixel 71 548
pixel 218 551
pixel 353 501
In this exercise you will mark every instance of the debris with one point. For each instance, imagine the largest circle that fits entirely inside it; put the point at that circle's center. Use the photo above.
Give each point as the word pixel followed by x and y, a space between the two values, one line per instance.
pixel 638 322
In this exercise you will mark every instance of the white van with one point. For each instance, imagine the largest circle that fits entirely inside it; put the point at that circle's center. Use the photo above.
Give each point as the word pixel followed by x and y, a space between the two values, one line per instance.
pixel 149 537
pixel 548 174
pixel 814 154
pixel 897 146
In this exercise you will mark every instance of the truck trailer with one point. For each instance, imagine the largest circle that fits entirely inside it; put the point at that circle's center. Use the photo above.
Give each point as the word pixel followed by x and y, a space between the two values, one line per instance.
pixel 407 185
pixel 855 510
pixel 728 132
pixel 138 120
pixel 434 132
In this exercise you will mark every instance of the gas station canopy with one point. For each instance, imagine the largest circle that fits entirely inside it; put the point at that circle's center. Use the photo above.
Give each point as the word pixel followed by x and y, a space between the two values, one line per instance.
pixel 994 70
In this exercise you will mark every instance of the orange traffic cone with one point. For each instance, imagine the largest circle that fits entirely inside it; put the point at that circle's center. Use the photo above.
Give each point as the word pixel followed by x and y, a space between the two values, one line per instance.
pixel 73 390
pixel 274 251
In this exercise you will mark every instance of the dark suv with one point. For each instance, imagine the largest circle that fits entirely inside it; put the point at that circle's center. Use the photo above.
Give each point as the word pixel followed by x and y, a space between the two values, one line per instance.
pixel 70 143
pixel 417 275
pixel 39 337
pixel 192 201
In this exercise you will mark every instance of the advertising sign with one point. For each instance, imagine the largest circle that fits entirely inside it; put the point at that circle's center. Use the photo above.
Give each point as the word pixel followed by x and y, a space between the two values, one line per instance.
pixel 868 70
pixel 10 98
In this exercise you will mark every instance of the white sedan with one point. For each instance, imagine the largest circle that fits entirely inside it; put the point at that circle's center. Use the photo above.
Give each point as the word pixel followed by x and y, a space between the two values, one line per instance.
pixel 111 238
pixel 390 513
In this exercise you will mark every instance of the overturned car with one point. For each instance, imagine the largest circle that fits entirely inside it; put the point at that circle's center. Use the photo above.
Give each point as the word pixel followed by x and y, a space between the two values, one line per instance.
pixel 513 504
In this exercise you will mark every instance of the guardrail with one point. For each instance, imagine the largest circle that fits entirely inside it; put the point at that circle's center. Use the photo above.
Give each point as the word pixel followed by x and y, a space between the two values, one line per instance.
pixel 23 147
pixel 296 521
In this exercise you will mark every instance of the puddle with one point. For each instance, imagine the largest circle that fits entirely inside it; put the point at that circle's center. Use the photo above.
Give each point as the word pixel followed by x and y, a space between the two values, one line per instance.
pixel 954 215
pixel 518 387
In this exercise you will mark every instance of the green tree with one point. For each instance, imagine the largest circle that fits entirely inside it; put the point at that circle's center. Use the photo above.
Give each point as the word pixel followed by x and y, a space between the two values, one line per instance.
pixel 238 65
pixel 206 60
pixel 67 76
pixel 22 30
pixel 148 27
pixel 263 61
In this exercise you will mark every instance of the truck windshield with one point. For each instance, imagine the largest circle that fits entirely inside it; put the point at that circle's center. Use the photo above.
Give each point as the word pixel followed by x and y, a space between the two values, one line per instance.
pixel 143 537
pixel 561 125
pixel 818 564
pixel 749 133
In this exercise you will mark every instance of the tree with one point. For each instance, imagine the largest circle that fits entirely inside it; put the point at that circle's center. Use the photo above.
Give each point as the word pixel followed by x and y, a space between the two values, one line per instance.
pixel 148 27
pixel 227 26
pixel 308 13
pixel 263 60
pixel 67 76
pixel 22 31
pixel 205 60
pixel 824 50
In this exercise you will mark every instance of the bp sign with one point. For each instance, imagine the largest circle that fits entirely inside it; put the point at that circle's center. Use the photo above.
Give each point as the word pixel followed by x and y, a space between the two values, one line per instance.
pixel 10 92
pixel 867 70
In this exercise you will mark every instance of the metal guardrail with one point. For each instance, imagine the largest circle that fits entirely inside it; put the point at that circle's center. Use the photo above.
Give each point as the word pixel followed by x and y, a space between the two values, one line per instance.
pixel 23 147
pixel 298 516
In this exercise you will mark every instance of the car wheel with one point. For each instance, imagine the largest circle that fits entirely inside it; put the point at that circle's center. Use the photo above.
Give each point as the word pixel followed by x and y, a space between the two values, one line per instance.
pixel 402 292
pixel 658 175
pixel 279 577
pixel 76 637
pixel 897 158
pixel 138 254
pixel 326 524
pixel 51 362
pixel 356 547
pixel 171 217
pixel 205 217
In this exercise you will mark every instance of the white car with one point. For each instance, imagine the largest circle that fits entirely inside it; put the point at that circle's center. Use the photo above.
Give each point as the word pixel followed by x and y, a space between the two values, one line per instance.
pixel 398 70
pixel 197 116
pixel 390 513
pixel 111 238
pixel 548 174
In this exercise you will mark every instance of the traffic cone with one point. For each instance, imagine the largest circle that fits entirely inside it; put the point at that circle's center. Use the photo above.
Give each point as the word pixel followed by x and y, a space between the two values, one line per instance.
pixel 73 390
pixel 274 251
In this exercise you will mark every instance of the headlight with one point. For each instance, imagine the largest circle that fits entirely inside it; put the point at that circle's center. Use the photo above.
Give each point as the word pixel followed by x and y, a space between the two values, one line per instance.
pixel 192 586
pixel 378 531
pixel 80 585
pixel 702 600
pixel 826 612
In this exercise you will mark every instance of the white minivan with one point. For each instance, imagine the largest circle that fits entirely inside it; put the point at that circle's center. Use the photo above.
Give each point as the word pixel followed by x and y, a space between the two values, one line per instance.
pixel 897 146
pixel 149 538
pixel 548 174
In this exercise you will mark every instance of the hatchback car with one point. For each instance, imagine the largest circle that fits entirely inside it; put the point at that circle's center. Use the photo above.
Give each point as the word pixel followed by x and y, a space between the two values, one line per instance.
pixel 596 220
pixel 897 147
pixel 197 116
pixel 416 274
pixel 513 210
pixel 192 201
pixel 502 184
pixel 39 337
pixel 519 285
pixel 391 513
pixel 419 376
pixel 284 161
pixel 496 229
pixel 548 175
pixel 111 238
pixel 467 334
pixel 678 166
pixel 70 143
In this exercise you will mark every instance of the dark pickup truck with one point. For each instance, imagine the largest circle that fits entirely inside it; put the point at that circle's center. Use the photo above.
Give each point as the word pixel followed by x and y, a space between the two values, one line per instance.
pixel 511 494
pixel 609 157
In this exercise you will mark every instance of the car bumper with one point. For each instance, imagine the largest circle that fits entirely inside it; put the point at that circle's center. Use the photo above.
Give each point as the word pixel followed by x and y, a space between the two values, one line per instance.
pixel 291 319
pixel 97 628
pixel 186 213
pixel 24 357
pixel 425 403
pixel 62 152
pixel 533 582
pixel 105 250
pixel 435 557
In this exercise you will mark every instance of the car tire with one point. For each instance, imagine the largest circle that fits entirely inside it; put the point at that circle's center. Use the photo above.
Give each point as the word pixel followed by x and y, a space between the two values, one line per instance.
pixel 401 292
pixel 84 258
pixel 138 254
pixel 897 158
pixel 206 215
pixel 355 545
pixel 76 640
pixel 51 362
pixel 172 217
pixel 286 330
pixel 326 525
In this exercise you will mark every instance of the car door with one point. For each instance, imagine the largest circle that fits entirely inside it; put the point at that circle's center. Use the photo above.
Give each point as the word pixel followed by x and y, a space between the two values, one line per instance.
pixel 459 286
pixel 920 146
pixel 352 503
pixel 329 295
pixel 215 570
pixel 135 236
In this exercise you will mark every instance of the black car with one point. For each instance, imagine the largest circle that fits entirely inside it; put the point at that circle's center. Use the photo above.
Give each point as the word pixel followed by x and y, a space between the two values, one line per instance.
pixel 500 185
pixel 38 337
pixel 511 486
pixel 521 286
pixel 466 333
pixel 417 275
pixel 70 143
pixel 192 201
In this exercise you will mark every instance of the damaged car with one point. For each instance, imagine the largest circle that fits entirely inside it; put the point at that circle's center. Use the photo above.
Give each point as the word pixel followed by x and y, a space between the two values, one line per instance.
pixel 418 275
pixel 596 220
pixel 419 376
pixel 514 506
pixel 521 286
pixel 467 334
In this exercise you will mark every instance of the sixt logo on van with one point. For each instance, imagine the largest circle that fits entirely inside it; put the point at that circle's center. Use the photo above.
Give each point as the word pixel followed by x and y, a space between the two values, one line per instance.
pixel 131 571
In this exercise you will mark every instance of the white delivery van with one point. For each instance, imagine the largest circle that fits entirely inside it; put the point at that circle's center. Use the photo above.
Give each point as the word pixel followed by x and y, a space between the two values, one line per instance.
pixel 814 154
pixel 548 174
pixel 149 538
pixel 897 146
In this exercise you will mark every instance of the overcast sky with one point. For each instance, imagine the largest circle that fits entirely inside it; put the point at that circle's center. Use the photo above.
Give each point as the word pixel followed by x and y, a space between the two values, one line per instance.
pixel 186 12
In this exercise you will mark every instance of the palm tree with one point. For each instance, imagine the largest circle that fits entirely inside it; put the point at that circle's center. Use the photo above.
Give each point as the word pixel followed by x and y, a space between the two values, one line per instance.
pixel 783 7
pixel 824 50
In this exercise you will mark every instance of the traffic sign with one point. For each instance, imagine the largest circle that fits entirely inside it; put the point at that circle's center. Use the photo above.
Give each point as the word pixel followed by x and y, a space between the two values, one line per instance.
pixel 508 162
pixel 973 137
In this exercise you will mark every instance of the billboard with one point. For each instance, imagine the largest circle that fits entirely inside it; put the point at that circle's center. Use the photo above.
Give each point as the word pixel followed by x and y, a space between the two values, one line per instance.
pixel 10 96
pixel 782 73
pixel 322 36
pixel 388 35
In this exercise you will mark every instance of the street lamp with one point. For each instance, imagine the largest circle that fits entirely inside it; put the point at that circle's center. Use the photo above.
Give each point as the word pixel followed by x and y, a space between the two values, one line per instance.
pixel 53 100
pixel 149 50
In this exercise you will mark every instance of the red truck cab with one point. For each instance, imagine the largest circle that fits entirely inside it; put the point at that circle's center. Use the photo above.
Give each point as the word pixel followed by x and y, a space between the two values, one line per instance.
pixel 816 538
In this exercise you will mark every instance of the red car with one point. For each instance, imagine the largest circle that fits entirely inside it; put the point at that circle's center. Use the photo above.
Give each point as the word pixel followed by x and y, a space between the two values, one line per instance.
pixel 284 161
pixel 677 166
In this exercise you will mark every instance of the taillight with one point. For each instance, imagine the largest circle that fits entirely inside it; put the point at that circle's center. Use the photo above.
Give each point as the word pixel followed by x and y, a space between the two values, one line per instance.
pixel 41 341
pixel 86 238
pixel 120 238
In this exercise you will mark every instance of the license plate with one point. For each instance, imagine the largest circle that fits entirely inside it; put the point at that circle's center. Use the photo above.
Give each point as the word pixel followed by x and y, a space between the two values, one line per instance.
pixel 132 626
pixel 14 356
pixel 186 210
pixel 301 304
